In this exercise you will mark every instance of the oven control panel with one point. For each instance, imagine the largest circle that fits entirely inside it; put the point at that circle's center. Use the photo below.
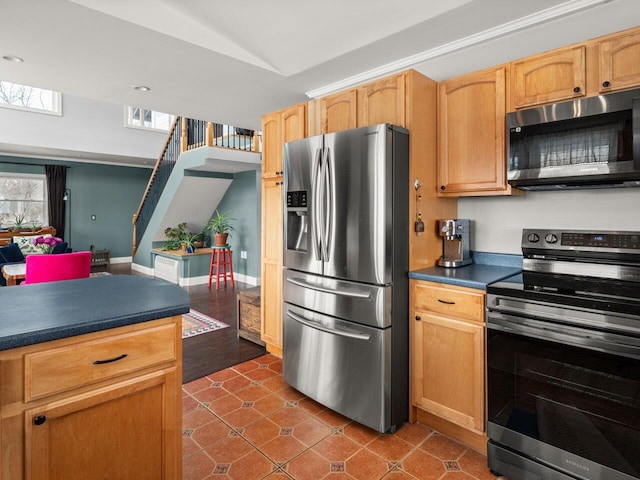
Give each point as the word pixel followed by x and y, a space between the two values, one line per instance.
pixel 586 240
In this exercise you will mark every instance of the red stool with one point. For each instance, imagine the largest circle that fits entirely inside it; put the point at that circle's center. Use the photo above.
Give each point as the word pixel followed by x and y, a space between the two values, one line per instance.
pixel 221 261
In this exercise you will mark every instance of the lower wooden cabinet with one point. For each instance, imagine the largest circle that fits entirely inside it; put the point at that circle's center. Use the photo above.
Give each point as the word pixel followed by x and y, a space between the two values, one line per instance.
pixel 448 360
pixel 121 426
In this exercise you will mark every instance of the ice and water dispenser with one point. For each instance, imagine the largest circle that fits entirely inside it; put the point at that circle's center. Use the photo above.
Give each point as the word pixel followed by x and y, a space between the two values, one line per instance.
pixel 297 221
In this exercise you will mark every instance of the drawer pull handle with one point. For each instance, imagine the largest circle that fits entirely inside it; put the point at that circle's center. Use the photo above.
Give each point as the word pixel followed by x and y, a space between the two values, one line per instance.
pixel 446 302
pixel 39 420
pixel 115 359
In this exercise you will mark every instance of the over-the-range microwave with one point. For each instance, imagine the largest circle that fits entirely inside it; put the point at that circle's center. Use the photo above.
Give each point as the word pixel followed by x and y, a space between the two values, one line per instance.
pixel 587 143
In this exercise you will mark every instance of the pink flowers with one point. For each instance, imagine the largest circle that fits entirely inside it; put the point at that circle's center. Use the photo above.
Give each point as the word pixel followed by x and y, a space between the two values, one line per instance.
pixel 46 244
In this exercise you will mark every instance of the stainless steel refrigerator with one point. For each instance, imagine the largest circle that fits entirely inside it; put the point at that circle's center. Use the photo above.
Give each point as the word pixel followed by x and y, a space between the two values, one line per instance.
pixel 345 285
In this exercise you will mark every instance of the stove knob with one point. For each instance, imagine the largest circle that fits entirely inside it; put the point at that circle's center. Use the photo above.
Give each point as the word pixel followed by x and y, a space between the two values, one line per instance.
pixel 550 238
pixel 533 238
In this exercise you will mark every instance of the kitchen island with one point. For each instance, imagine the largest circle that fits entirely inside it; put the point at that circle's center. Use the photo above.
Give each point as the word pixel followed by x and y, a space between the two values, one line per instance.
pixel 90 379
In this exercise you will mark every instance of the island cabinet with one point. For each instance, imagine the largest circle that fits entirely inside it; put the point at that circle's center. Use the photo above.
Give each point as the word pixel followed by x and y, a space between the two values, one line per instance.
pixel 448 360
pixel 277 129
pixel 471 134
pixel 102 405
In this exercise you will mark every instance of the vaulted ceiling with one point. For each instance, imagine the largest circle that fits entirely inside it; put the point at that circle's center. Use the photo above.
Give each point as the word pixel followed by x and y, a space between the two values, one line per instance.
pixel 232 62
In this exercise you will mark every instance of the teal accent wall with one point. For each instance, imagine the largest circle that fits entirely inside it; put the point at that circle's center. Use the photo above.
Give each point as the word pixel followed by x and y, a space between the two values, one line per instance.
pixel 111 193
pixel 242 201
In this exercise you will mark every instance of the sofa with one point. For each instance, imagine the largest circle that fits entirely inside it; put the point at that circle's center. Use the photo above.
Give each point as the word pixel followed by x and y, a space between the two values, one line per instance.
pixel 11 254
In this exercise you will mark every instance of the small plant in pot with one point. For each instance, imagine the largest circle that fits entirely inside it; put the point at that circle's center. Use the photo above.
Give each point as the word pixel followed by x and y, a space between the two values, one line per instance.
pixel 221 226
pixel 175 236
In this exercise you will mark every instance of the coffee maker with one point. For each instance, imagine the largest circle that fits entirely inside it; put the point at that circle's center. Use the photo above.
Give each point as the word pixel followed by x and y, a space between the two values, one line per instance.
pixel 455 242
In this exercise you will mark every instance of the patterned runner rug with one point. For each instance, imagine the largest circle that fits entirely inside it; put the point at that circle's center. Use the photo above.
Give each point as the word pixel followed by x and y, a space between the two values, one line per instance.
pixel 194 323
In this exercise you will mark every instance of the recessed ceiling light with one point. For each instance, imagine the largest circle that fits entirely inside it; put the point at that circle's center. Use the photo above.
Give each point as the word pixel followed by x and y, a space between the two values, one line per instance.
pixel 13 58
pixel 142 88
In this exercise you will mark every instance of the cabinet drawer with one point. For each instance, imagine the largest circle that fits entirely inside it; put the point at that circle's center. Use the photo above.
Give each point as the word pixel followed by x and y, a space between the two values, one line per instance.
pixel 60 369
pixel 451 301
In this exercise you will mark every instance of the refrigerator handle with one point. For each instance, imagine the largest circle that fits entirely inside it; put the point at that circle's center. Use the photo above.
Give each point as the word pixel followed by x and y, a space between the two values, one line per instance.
pixel 327 195
pixel 315 210
pixel 332 331
pixel 319 288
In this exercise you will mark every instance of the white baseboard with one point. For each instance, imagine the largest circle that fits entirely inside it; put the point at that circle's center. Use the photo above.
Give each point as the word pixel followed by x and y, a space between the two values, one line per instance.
pixel 122 260
pixel 142 269
pixel 204 279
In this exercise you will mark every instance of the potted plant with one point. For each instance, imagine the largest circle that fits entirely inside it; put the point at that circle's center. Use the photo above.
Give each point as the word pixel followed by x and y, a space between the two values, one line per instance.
pixel 199 237
pixel 175 236
pixel 221 226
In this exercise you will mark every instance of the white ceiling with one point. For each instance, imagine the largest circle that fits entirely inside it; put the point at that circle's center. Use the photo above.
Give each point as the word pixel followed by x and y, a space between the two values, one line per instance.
pixel 232 62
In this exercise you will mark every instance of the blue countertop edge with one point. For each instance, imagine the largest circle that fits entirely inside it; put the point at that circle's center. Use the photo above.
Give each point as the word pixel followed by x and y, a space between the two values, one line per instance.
pixel 54 311
pixel 485 269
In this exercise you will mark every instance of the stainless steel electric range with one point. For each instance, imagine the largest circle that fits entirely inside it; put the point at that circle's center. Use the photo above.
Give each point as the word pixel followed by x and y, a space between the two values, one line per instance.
pixel 563 354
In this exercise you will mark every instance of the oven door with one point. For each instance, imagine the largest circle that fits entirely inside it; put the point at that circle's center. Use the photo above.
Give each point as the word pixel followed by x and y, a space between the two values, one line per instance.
pixel 565 398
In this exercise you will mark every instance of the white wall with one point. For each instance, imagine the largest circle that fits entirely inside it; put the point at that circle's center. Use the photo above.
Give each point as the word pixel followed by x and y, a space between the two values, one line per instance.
pixel 497 222
pixel 85 126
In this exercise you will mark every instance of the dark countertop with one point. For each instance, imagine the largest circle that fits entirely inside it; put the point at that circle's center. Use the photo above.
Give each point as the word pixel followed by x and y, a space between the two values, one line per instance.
pixel 42 312
pixel 487 268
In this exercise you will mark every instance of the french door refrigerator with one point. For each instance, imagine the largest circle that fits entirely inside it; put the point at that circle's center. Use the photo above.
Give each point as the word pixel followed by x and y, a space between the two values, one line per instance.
pixel 345 281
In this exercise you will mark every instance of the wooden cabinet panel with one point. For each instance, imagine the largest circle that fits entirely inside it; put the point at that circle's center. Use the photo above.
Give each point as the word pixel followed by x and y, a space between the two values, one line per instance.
pixel 471 134
pixel 60 369
pixel 126 424
pixel 550 77
pixel 292 125
pixel 271 145
pixel 113 432
pixel 382 101
pixel 339 111
pixel 272 245
pixel 619 62
pixel 449 369
pixel 451 301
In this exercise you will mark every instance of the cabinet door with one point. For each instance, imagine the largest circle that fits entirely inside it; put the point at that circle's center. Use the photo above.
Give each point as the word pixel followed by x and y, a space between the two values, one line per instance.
pixel 120 431
pixel 619 62
pixel 271 145
pixel 549 77
pixel 272 238
pixel 339 111
pixel 449 369
pixel 471 134
pixel 382 101
pixel 294 122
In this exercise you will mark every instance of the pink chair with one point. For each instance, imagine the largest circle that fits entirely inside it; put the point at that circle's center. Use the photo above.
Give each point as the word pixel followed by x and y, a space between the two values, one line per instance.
pixel 61 266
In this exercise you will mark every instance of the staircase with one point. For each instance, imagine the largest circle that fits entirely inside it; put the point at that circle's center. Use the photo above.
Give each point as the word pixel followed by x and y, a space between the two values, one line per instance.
pixel 186 134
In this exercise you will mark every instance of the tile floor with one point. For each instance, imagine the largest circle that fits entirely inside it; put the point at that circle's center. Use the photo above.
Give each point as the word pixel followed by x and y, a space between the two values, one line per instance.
pixel 245 423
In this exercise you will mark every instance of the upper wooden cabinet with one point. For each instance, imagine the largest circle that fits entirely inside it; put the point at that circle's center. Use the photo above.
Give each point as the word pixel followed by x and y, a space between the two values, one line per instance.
pixel 549 77
pixel 601 65
pixel 383 101
pixel 339 111
pixel 619 61
pixel 278 128
pixel 471 134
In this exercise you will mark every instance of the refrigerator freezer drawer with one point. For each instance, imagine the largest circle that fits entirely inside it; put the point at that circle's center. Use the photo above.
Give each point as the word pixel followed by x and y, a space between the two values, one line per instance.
pixel 356 302
pixel 341 365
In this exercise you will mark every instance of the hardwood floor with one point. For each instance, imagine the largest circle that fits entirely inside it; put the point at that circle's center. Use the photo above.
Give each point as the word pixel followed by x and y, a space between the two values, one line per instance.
pixel 211 352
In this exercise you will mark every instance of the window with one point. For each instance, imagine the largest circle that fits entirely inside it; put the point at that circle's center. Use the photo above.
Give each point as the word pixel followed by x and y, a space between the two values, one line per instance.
pixel 23 200
pixel 136 117
pixel 33 99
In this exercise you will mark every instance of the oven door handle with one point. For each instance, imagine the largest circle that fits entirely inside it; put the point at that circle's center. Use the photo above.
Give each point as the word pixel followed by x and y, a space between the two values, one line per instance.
pixel 612 343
